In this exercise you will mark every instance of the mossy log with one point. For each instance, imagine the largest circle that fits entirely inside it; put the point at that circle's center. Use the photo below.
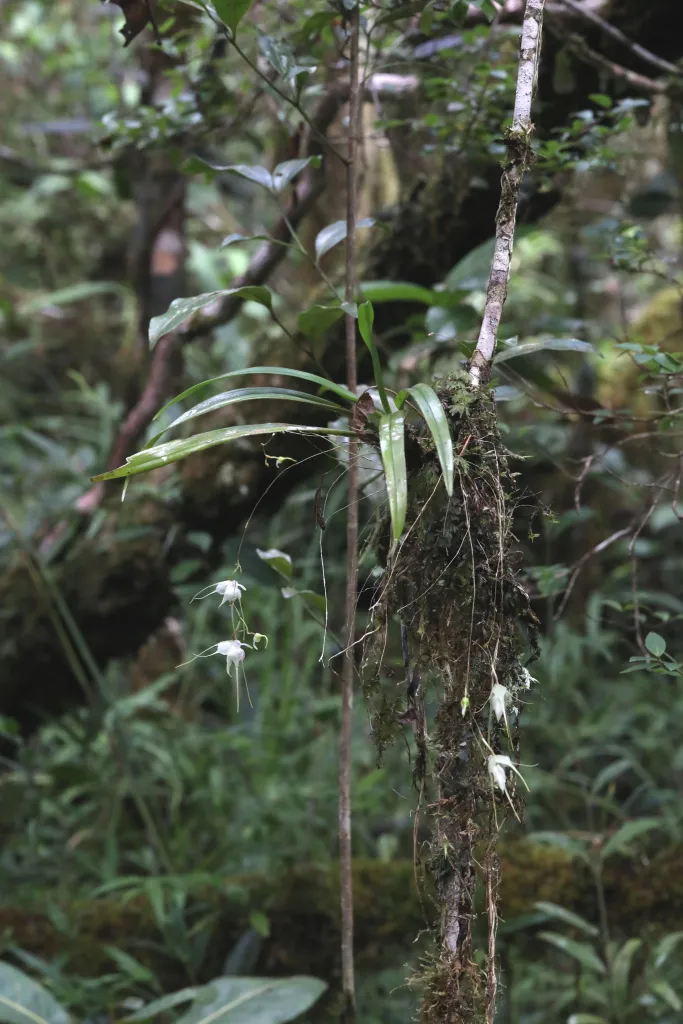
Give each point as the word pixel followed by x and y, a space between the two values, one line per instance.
pixel 644 895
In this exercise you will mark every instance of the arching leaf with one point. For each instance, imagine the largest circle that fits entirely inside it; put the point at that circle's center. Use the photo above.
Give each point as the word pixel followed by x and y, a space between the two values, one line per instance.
pixel 435 417
pixel 545 345
pixel 392 448
pixel 280 371
pixel 254 1000
pixel 249 395
pixel 173 451
pixel 181 310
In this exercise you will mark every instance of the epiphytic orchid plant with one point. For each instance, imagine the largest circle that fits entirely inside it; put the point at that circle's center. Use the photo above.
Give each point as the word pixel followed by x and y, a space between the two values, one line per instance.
pixel 387 422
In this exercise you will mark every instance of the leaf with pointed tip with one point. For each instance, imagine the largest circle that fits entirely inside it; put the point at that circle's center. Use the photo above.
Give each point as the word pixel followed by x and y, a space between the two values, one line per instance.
pixel 624 836
pixel 405 291
pixel 366 319
pixel 314 322
pixel 172 451
pixel 566 916
pixel 231 12
pixel 545 345
pixel 162 1005
pixel 287 171
pixel 392 449
pixel 621 969
pixel 335 233
pixel 248 395
pixel 251 172
pixel 278 560
pixel 182 310
pixel 427 401
pixel 236 237
pixel 666 993
pixel 665 948
pixel 280 371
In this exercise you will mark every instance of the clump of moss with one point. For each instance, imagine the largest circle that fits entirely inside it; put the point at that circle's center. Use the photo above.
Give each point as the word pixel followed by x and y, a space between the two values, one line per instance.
pixel 450 584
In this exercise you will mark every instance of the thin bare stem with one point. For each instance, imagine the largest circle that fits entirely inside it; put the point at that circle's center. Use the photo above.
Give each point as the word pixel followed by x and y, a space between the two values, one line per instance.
pixel 345 849
pixel 519 158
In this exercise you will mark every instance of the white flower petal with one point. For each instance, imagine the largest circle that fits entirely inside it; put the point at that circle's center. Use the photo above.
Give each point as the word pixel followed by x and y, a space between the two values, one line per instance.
pixel 500 698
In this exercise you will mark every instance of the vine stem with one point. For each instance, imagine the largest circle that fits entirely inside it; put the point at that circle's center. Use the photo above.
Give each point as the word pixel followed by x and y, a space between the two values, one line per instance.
pixel 519 159
pixel 345 848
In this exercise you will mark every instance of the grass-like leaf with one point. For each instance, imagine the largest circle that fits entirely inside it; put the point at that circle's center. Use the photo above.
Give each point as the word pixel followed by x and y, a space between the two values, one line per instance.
pixel 428 403
pixel 280 371
pixel 181 310
pixel 249 395
pixel 366 319
pixel 392 448
pixel 173 451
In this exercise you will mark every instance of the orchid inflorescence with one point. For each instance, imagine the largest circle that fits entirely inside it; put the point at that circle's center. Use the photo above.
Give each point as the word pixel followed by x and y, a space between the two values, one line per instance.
pixel 232 650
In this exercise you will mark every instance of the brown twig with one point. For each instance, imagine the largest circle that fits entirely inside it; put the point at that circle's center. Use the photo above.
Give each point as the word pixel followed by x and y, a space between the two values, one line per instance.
pixel 618 35
pixel 348 673
pixel 584 52
pixel 602 546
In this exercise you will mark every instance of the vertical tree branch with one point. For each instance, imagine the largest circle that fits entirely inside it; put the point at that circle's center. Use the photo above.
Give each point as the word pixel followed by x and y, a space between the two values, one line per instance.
pixel 345 850
pixel 519 158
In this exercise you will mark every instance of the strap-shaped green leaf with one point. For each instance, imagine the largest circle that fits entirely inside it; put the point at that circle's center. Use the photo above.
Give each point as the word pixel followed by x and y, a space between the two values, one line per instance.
pixel 173 451
pixel 366 319
pixel 181 310
pixel 281 371
pixel 427 401
pixel 392 448
pixel 248 395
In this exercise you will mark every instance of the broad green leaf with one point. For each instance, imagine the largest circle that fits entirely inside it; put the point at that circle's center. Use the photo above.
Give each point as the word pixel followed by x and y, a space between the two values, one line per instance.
pixel 663 989
pixel 163 1004
pixel 281 371
pixel 248 395
pixel 366 318
pixel 435 417
pixel 316 601
pixel 621 969
pixel 623 837
pixel 278 560
pixel 335 233
pixel 277 52
pixel 181 310
pixel 24 1001
pixel 314 322
pixel 173 451
pixel 254 1000
pixel 231 12
pixel 287 171
pixel 665 948
pixel 252 172
pixel 404 291
pixel 443 323
pixel 566 916
pixel 392 448
pixel 544 345
pixel 655 644
pixel 582 952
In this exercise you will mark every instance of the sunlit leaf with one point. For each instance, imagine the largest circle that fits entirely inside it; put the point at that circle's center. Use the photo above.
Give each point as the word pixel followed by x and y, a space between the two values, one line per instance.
pixel 249 395
pixel 278 560
pixel 404 291
pixel 335 233
pixel 24 1001
pixel 251 1000
pixel 173 451
pixel 582 952
pixel 252 172
pixel 282 371
pixel 435 417
pixel 544 345
pixel 286 172
pixel 182 310
pixel 392 448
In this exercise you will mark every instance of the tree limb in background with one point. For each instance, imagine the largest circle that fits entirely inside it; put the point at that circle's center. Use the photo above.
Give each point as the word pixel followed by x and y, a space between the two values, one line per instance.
pixel 610 30
pixel 578 46
pixel 519 159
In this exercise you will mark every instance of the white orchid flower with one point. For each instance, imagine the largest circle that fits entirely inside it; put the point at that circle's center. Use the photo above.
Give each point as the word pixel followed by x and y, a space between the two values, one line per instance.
pixel 233 652
pixel 527 679
pixel 500 699
pixel 497 765
pixel 229 590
